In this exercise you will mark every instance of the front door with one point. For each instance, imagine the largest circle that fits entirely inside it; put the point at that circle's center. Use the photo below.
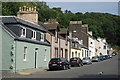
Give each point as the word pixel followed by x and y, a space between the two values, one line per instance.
pixel 66 53
pixel 36 52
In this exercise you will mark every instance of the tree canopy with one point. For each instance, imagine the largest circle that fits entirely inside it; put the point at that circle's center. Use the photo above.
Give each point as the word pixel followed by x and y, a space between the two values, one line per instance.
pixel 101 24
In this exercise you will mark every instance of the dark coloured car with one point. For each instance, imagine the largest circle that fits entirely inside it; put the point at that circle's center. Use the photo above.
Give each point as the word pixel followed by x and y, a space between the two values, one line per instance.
pixel 114 53
pixel 102 58
pixel 107 56
pixel 59 63
pixel 95 59
pixel 76 61
pixel 110 55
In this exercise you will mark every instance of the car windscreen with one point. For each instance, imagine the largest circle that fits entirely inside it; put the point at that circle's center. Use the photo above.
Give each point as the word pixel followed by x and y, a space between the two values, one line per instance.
pixel 55 60
pixel 94 57
pixel 73 59
pixel 86 58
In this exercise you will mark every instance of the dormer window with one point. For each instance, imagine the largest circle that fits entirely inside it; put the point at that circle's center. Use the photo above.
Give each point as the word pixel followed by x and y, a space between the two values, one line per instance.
pixel 42 37
pixel 23 32
pixel 33 34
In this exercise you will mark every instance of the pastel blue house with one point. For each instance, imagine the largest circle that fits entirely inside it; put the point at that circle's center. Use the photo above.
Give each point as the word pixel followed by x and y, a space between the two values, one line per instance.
pixel 23 45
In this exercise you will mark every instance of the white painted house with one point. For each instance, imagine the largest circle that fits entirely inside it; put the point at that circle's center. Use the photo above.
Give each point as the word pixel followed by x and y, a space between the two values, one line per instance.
pixel 91 45
pixel 103 46
pixel 84 52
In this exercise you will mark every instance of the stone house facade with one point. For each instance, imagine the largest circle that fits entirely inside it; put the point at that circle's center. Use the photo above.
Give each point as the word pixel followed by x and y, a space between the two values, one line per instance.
pixel 58 39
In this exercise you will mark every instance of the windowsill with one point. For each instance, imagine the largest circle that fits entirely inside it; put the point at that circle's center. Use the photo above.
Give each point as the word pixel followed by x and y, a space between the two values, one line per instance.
pixel 34 38
pixel 23 36
pixel 42 40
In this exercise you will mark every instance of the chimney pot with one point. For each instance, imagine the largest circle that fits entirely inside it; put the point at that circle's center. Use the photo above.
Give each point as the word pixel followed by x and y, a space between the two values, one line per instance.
pixel 75 22
pixel 28 13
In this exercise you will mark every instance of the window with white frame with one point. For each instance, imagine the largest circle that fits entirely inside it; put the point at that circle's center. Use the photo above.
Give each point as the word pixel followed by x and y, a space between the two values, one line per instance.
pixel 23 32
pixel 24 54
pixel 72 54
pixel 85 53
pixel 82 53
pixel 78 54
pixel 33 34
pixel 42 37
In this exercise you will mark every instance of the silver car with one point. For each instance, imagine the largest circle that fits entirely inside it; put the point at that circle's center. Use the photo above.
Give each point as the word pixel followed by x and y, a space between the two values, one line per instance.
pixel 95 59
pixel 87 60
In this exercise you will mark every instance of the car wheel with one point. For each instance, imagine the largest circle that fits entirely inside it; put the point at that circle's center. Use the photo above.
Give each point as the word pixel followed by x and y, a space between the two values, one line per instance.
pixel 72 65
pixel 68 66
pixel 79 65
pixel 50 69
pixel 64 67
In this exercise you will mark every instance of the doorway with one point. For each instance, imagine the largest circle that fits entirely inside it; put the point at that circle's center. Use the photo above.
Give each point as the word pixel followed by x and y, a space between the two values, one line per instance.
pixel 36 52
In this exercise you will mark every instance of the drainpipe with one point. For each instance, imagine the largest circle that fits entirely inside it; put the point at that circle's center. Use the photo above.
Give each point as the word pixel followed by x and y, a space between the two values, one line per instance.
pixel 69 49
pixel 51 47
pixel 59 48
pixel 15 55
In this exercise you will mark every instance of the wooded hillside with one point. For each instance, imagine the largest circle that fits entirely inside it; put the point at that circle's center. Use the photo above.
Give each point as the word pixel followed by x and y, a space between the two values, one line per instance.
pixel 102 24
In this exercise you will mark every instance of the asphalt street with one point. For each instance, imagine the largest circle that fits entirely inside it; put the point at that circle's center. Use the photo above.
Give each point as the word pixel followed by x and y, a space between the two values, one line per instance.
pixel 109 68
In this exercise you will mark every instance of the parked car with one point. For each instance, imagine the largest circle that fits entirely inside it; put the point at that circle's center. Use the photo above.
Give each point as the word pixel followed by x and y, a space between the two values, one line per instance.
pixel 76 61
pixel 114 53
pixel 95 59
pixel 59 63
pixel 107 56
pixel 110 55
pixel 102 58
pixel 87 60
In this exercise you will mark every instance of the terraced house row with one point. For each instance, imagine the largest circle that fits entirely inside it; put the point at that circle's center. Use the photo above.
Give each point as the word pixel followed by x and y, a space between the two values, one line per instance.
pixel 27 43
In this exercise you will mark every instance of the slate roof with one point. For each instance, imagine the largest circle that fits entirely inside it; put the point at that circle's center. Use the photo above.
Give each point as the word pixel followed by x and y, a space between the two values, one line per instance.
pixel 49 26
pixel 63 31
pixel 13 19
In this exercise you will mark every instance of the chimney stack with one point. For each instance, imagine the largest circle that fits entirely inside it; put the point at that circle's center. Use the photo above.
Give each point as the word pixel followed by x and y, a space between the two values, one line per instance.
pixel 85 25
pixel 75 22
pixel 28 13
pixel 51 21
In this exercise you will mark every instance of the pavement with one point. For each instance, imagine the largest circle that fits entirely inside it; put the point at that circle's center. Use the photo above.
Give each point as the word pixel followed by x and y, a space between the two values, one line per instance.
pixel 24 72
pixel 31 71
